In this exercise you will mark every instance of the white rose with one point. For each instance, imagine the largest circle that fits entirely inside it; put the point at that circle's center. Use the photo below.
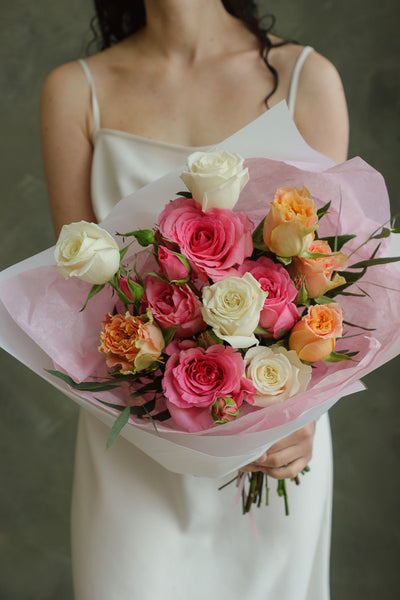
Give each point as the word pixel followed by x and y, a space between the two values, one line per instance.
pixel 276 373
pixel 87 251
pixel 215 178
pixel 232 308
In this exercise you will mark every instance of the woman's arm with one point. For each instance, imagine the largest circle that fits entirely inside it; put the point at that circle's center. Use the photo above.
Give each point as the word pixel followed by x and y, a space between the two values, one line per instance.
pixel 321 111
pixel 65 121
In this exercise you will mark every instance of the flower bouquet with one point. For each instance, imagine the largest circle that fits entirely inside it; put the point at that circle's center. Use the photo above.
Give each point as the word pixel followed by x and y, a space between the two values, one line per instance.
pixel 218 330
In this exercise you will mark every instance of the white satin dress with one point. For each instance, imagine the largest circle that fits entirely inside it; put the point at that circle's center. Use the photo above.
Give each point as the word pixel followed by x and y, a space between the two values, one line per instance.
pixel 140 532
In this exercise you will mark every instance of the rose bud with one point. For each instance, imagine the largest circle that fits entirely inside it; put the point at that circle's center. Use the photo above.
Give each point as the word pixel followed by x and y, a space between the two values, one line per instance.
pixel 174 265
pixel 224 410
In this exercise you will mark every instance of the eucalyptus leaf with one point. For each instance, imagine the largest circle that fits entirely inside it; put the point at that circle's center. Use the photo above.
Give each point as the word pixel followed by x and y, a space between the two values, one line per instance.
pixel 94 290
pixel 87 386
pixel 324 209
pixel 370 262
pixel 118 425
pixel 336 243
pixel 143 409
pixel 385 233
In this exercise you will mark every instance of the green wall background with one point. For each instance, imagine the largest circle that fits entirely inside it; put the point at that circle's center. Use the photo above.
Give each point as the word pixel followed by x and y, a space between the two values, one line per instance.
pixel 37 424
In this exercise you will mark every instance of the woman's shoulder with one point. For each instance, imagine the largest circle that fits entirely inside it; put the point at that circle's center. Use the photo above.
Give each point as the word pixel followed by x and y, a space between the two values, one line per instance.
pixel 285 54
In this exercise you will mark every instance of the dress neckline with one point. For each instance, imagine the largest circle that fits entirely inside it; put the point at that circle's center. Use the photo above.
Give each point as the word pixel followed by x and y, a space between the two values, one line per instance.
pixel 154 142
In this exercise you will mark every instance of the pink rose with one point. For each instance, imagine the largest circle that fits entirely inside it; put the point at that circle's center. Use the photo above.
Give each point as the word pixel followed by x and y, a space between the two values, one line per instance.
pixel 214 242
pixel 174 306
pixel 279 312
pixel 318 271
pixel 194 379
pixel 173 264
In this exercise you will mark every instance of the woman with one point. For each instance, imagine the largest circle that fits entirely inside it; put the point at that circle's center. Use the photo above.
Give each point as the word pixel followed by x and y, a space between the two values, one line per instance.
pixel 188 75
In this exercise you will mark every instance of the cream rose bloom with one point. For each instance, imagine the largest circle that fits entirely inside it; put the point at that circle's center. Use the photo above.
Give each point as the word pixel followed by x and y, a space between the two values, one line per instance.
pixel 232 308
pixel 276 373
pixel 87 251
pixel 215 178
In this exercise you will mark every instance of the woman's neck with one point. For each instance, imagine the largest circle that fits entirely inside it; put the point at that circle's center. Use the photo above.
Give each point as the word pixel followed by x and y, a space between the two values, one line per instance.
pixel 188 30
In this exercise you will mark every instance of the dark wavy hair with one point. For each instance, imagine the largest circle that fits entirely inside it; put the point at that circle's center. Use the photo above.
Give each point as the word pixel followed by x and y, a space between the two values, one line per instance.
pixel 117 19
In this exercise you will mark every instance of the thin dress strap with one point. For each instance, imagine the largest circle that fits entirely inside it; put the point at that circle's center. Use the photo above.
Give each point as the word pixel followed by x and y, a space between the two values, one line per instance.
pixel 95 102
pixel 296 76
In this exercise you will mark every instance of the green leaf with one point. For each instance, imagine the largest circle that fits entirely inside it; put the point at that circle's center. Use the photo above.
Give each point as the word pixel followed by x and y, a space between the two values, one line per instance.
pixel 323 300
pixel 261 331
pixel 285 260
pixel 162 416
pixel 358 326
pixel 123 251
pixel 94 290
pixel 385 233
pixel 140 410
pixel 374 261
pixel 335 357
pixel 341 240
pixel 87 386
pixel 118 425
pixel 168 334
pixel 185 194
pixel 147 387
pixel 145 237
pixel 135 289
pixel 161 277
pixel 258 240
pixel 323 210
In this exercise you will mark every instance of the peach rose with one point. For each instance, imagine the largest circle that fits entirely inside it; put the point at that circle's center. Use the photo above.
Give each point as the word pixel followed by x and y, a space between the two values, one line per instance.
pixel 314 336
pixel 290 222
pixel 130 342
pixel 318 271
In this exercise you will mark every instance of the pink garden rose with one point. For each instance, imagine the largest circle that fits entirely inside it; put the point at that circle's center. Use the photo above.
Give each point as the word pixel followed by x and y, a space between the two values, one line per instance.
pixel 195 379
pixel 279 312
pixel 172 265
pixel 174 306
pixel 214 241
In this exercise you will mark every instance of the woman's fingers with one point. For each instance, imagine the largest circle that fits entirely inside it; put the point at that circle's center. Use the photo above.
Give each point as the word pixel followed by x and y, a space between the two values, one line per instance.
pixel 288 457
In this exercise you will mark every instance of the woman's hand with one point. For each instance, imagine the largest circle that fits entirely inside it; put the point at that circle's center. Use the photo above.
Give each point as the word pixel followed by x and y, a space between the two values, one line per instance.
pixel 288 457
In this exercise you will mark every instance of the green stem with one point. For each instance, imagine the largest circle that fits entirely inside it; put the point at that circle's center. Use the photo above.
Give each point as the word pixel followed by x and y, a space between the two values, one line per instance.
pixel 282 492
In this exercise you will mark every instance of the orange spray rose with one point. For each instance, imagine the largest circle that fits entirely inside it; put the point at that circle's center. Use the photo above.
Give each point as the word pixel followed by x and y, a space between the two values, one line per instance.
pixel 130 342
pixel 314 336
pixel 289 224
pixel 318 271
